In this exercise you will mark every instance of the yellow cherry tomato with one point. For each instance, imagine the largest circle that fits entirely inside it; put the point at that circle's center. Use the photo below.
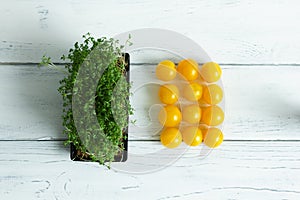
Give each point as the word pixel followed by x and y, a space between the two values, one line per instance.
pixel 212 94
pixel 191 114
pixel 212 115
pixel 192 91
pixel 170 137
pixel 211 72
pixel 188 69
pixel 213 138
pixel 192 135
pixel 169 116
pixel 168 93
pixel 166 70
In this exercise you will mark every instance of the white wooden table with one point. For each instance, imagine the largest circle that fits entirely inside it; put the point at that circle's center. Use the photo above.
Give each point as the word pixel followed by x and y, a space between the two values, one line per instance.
pixel 256 42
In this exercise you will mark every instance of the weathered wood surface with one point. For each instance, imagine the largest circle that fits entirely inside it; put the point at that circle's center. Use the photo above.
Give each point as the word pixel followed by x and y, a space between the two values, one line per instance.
pixel 231 31
pixel 236 170
pixel 258 44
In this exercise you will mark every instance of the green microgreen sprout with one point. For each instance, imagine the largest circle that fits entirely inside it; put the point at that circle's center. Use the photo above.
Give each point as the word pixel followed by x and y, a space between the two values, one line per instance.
pixel 104 100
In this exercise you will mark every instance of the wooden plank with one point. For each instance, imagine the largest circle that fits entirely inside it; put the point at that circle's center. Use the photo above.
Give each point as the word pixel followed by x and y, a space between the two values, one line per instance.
pixel 262 103
pixel 230 31
pixel 30 104
pixel 236 170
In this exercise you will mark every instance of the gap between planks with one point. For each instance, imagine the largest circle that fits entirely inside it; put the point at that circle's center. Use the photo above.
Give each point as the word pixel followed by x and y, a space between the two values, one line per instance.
pixel 225 65
pixel 144 140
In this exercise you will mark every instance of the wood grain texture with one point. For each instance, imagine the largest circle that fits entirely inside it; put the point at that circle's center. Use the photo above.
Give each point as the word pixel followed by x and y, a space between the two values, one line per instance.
pixel 231 31
pixel 30 104
pixel 257 41
pixel 262 103
pixel 236 170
